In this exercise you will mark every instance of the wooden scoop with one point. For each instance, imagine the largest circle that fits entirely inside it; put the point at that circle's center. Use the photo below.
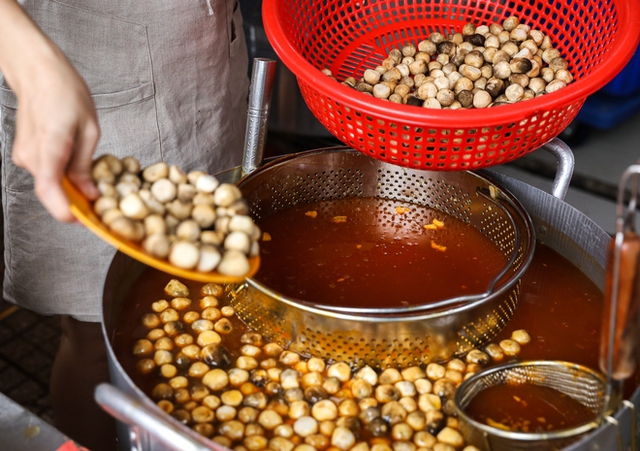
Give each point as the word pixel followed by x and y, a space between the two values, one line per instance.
pixel 81 209
pixel 622 288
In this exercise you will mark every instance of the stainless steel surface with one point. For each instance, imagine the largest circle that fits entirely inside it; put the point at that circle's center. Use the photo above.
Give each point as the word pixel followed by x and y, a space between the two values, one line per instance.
pixel 562 227
pixel 140 417
pixel 565 163
pixel 21 430
pixel 578 382
pixel 258 113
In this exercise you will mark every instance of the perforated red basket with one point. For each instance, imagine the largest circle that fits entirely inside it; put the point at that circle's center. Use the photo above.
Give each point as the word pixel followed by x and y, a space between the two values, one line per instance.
pixel 597 37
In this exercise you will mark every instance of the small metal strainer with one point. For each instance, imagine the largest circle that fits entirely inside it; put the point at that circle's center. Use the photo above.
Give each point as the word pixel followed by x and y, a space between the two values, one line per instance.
pixel 580 383
pixel 399 336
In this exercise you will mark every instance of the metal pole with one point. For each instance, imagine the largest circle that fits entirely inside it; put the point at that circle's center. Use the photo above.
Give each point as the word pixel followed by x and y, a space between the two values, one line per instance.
pixel 262 78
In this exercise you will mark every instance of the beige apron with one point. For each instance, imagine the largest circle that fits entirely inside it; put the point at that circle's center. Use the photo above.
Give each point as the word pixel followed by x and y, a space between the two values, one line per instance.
pixel 169 81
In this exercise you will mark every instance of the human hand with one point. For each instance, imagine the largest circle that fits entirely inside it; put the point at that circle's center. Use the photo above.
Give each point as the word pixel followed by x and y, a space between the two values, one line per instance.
pixel 56 127
pixel 57 132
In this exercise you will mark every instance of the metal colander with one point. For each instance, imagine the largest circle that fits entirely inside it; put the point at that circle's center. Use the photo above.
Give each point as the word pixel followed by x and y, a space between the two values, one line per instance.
pixel 399 336
pixel 581 383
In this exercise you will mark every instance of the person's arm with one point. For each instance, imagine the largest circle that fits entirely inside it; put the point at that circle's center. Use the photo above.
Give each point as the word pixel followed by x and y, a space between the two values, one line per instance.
pixel 57 126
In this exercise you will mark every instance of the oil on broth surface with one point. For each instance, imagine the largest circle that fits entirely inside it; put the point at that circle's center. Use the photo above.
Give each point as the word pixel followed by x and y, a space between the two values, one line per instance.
pixel 366 252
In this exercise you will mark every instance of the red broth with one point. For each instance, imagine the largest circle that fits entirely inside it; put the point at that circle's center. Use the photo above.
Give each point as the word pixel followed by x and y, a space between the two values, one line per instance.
pixel 527 408
pixel 372 252
pixel 559 306
pixel 561 309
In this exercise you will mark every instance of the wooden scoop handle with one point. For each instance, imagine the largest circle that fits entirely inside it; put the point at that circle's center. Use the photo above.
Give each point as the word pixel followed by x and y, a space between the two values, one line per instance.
pixel 626 328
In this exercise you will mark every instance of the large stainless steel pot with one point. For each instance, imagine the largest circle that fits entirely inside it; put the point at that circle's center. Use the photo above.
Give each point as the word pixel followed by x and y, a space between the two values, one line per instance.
pixel 557 224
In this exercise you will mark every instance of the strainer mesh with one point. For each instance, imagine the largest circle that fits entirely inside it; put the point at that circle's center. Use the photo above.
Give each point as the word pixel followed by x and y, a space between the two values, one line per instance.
pixel 380 339
pixel 392 183
pixel 578 382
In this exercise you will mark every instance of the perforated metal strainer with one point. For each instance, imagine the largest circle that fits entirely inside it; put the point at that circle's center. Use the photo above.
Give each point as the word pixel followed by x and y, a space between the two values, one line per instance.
pixel 399 336
pixel 582 384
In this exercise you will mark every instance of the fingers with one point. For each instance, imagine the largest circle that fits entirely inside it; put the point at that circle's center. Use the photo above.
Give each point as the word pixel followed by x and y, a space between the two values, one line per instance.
pixel 47 168
pixel 48 146
pixel 54 199
pixel 79 167
pixel 47 155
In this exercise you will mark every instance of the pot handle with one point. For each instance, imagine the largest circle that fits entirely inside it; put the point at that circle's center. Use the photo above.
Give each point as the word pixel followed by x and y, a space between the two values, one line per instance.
pixel 566 162
pixel 133 412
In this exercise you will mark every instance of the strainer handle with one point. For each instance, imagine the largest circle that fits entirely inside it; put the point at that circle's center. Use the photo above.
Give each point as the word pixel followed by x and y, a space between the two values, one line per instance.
pixel 620 328
pixel 566 162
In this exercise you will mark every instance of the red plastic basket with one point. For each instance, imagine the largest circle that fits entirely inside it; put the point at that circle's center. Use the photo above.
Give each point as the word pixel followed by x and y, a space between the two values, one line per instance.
pixel 597 37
